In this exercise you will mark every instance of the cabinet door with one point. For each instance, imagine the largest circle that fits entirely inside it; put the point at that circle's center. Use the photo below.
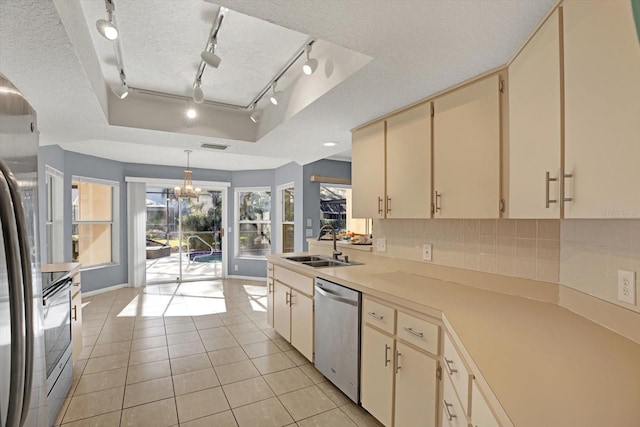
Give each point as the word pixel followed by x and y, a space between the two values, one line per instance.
pixel 76 325
pixel 602 107
pixel 270 295
pixel 481 415
pixel 409 163
pixel 368 171
pixel 376 383
pixel 534 125
pixel 467 151
pixel 416 387
pixel 302 323
pixel 281 310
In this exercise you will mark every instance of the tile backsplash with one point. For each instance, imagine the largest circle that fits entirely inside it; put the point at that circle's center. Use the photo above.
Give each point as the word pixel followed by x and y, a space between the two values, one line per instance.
pixel 522 248
pixel 592 252
pixel 582 254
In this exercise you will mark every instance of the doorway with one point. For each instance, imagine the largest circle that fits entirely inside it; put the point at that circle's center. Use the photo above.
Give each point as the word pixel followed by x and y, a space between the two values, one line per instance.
pixel 185 238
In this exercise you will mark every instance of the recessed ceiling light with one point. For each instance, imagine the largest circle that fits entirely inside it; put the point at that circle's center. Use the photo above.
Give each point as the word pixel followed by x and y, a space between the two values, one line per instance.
pixel 191 113
pixel 330 144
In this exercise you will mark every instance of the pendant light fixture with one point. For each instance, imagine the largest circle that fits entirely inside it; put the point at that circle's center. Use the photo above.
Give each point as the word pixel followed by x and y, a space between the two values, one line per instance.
pixel 106 27
pixel 311 65
pixel 187 191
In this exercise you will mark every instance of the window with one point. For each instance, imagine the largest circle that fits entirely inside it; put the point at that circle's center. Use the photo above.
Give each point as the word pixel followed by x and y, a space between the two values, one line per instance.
pixel 253 223
pixel 55 215
pixel 335 210
pixel 285 217
pixel 94 230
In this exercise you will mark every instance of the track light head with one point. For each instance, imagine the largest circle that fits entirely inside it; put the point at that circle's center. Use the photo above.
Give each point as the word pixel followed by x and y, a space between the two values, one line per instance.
pixel 276 96
pixel 107 29
pixel 121 90
pixel 191 113
pixel 310 66
pixel 198 94
pixel 255 116
pixel 211 59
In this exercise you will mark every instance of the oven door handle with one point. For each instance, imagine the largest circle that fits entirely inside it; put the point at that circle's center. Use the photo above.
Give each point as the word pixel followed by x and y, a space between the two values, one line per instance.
pixel 12 251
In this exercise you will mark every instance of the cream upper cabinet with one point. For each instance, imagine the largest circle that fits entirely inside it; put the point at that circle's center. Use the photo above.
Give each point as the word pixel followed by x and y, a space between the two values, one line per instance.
pixel 416 388
pixel 534 125
pixel 602 109
pixel 368 171
pixel 409 163
pixel 302 323
pixel 376 381
pixel 467 146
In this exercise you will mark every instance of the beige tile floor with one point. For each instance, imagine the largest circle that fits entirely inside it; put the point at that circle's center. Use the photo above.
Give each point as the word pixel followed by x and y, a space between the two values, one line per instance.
pixel 195 354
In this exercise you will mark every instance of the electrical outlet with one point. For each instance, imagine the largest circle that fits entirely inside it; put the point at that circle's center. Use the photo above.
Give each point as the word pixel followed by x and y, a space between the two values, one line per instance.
pixel 627 286
pixel 381 245
pixel 426 252
pixel 309 222
pixel 308 232
pixel 235 267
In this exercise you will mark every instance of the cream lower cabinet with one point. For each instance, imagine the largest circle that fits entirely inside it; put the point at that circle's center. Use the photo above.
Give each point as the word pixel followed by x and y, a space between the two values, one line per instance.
pixel 466 147
pixel 76 317
pixel 376 394
pixel 387 364
pixel 292 304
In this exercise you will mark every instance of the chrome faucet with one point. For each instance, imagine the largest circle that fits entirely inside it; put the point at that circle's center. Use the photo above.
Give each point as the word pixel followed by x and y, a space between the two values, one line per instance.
pixel 336 252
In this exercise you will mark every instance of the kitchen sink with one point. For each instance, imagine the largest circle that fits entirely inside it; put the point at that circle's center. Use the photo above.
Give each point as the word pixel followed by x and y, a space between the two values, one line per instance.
pixel 317 261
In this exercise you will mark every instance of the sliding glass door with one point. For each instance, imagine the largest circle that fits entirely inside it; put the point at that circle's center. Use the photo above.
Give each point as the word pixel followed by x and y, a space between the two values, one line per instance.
pixel 184 236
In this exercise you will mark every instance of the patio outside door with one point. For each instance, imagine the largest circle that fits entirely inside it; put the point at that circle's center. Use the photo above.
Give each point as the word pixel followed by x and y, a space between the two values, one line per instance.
pixel 184 236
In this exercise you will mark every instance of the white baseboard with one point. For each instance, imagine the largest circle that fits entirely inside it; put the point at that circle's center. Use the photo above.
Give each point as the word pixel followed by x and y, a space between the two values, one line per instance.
pixel 103 290
pixel 257 279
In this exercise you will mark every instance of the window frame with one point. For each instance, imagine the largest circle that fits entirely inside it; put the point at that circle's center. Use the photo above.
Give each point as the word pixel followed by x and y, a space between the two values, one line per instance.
pixel 115 219
pixel 280 211
pixel 237 221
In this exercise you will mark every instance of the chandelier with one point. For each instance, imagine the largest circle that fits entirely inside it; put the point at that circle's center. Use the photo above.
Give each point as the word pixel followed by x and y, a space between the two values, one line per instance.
pixel 187 191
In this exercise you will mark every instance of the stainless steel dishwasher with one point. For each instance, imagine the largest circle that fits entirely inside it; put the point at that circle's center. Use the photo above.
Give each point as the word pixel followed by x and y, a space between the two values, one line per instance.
pixel 337 336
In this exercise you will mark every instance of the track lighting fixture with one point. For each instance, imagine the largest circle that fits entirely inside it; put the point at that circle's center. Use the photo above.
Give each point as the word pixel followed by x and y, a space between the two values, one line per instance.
pixel 121 90
pixel 198 94
pixel 276 96
pixel 255 116
pixel 210 57
pixel 106 27
pixel 311 65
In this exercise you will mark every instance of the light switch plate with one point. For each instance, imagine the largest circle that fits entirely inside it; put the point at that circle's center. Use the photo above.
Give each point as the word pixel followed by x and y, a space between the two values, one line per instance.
pixel 426 252
pixel 627 286
pixel 309 222
pixel 381 245
pixel 309 232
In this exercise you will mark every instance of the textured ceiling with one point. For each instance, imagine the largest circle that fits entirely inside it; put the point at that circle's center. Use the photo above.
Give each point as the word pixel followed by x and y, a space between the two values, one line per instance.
pixel 419 48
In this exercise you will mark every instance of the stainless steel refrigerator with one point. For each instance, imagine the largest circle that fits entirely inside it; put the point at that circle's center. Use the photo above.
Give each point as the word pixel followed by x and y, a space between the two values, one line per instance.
pixel 23 396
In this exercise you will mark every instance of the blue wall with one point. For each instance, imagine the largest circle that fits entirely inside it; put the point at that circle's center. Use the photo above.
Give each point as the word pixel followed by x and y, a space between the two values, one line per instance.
pixel 307 202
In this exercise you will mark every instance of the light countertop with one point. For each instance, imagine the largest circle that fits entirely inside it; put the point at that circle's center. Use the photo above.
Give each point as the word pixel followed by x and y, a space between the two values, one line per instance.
pixel 546 365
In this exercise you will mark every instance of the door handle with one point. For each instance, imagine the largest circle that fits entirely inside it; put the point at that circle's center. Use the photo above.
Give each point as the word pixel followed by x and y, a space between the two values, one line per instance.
pixel 379 205
pixel 565 176
pixel 75 312
pixel 398 367
pixel 335 297
pixel 287 298
pixel 375 316
pixel 448 364
pixel 388 204
pixel 549 180
pixel 446 408
pixel 386 355
pixel 438 201
pixel 412 332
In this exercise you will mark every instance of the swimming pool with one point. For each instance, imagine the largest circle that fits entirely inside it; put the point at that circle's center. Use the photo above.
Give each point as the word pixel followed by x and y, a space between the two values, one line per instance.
pixel 205 256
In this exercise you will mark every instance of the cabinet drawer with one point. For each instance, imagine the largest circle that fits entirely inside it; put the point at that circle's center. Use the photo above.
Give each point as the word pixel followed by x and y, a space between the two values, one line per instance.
pixel 452 412
pixel 481 415
pixel 457 372
pixel 418 332
pixel 378 315
pixel 294 280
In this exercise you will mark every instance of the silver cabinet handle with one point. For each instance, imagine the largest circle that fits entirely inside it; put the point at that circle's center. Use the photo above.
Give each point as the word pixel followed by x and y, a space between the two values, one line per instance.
pixel 398 367
pixel 386 355
pixel 270 288
pixel 412 332
pixel 379 205
pixel 287 299
pixel 566 199
pixel 448 364
pixel 75 312
pixel 290 298
pixel 388 204
pixel 548 181
pixel 438 200
pixel 446 408
pixel 375 316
